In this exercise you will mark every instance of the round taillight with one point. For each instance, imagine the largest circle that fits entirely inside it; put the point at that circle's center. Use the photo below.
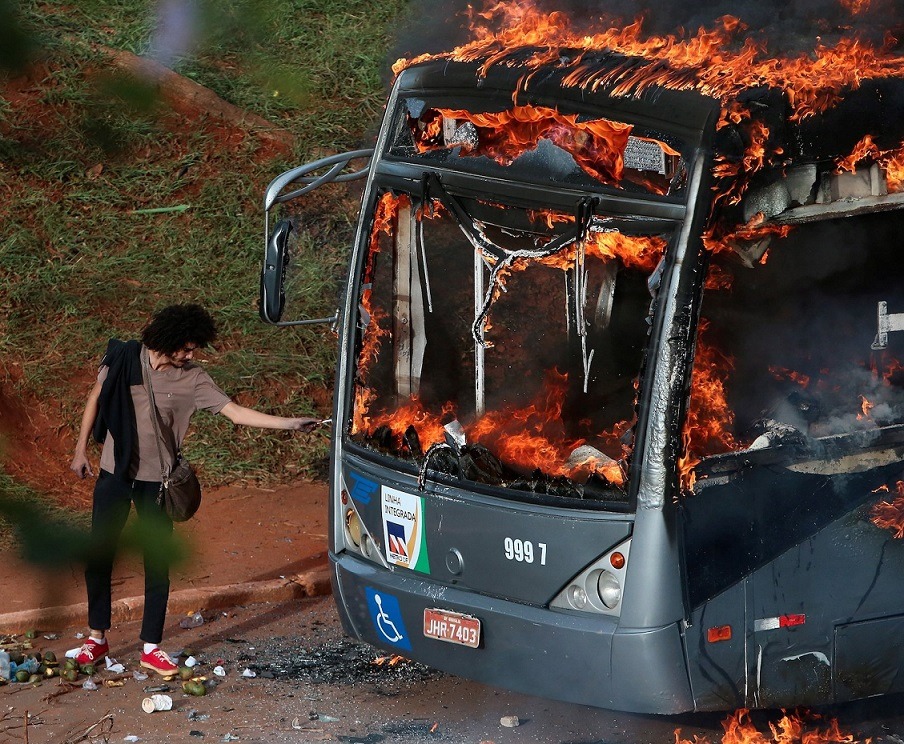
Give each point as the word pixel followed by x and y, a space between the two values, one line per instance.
pixel 617 560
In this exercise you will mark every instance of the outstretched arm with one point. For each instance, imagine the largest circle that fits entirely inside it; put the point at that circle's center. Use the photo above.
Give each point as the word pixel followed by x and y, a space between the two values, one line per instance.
pixel 81 466
pixel 242 416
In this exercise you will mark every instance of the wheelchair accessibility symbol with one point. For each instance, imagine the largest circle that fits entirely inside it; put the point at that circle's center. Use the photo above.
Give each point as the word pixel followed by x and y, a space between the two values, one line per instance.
pixel 387 618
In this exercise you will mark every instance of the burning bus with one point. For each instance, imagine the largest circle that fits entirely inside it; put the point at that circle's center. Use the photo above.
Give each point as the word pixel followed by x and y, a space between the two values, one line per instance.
pixel 619 415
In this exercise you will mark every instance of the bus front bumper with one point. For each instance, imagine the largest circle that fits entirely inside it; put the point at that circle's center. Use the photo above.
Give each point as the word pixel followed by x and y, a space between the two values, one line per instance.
pixel 574 657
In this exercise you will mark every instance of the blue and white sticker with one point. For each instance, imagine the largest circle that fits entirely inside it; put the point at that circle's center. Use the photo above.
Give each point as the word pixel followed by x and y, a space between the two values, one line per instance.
pixel 387 618
pixel 404 537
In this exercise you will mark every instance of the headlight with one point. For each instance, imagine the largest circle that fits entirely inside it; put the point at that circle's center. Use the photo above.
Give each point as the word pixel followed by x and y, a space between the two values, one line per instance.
pixel 353 527
pixel 609 588
pixel 598 588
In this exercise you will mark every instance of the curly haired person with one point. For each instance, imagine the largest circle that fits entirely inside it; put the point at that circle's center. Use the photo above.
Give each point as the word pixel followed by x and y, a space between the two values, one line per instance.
pixel 118 414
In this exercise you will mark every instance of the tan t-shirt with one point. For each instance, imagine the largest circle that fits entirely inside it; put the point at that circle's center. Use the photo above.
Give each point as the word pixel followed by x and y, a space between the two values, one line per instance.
pixel 179 392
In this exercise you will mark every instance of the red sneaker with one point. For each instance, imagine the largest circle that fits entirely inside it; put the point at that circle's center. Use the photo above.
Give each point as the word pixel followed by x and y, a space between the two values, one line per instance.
pixel 159 662
pixel 92 651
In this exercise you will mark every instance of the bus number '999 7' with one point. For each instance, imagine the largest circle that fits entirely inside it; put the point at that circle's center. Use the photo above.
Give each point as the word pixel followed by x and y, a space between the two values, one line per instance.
pixel 523 551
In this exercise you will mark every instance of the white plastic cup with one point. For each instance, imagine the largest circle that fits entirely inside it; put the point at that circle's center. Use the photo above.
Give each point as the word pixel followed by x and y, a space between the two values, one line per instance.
pixel 156 702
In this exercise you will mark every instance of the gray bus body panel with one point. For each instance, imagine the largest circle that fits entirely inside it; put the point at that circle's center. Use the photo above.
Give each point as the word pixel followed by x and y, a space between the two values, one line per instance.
pixel 465 535
pixel 575 657
pixel 812 590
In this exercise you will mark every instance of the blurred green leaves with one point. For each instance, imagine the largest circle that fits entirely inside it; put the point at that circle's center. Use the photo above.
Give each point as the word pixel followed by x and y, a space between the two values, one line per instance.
pixel 18 45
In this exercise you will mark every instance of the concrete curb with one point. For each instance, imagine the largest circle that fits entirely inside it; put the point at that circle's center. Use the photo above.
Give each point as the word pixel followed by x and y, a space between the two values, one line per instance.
pixel 313 583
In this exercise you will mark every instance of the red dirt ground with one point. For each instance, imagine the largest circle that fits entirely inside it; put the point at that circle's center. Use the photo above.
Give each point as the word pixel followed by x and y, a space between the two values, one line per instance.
pixel 242 532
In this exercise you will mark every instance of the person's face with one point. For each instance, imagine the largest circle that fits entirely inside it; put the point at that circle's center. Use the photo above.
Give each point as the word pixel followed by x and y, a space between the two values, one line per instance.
pixel 182 356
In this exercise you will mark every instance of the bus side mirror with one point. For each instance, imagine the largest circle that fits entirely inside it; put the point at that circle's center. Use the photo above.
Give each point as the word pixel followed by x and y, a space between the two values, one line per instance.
pixel 273 273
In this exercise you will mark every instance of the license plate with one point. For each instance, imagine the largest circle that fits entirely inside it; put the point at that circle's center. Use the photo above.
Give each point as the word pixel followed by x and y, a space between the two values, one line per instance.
pixel 452 627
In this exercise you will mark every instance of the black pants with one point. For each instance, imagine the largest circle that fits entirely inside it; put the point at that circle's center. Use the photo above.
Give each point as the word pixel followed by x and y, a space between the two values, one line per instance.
pixel 113 499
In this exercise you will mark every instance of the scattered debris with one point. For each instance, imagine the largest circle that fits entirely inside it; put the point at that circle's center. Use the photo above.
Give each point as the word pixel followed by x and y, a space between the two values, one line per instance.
pixel 342 661
pixel 100 730
pixel 194 687
pixel 156 702
pixel 194 715
pixel 190 662
pixel 131 738
pixel 139 676
pixel 248 673
pixel 219 671
pixel 114 666
pixel 510 721
pixel 195 620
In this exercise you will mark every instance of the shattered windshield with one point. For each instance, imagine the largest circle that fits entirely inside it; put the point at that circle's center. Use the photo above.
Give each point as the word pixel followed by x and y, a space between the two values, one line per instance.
pixel 798 359
pixel 501 345
pixel 532 142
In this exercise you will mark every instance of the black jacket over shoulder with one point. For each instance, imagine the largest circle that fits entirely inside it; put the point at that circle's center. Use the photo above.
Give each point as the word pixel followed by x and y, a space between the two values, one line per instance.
pixel 116 412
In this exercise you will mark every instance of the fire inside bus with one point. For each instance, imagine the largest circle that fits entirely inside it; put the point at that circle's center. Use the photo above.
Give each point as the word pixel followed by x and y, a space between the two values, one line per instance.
pixel 618 410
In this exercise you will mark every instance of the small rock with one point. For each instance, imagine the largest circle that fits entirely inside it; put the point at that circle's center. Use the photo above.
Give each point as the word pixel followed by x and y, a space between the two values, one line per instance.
pixel 230 737
pixel 131 737
pixel 199 734
pixel 510 721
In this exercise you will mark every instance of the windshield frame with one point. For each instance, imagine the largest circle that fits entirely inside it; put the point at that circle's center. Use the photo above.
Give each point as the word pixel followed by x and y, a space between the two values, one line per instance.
pixel 642 225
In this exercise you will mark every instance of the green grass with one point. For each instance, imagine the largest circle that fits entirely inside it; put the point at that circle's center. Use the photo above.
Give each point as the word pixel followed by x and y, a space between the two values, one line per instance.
pixel 77 265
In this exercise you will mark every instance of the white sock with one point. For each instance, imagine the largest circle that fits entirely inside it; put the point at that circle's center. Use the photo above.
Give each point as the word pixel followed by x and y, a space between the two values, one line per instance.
pixel 149 647
pixel 94 637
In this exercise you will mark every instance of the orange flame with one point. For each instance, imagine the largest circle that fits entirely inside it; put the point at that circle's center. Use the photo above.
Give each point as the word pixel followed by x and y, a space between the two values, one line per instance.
pixel 780 373
pixel 889 515
pixel 372 338
pixel 795 728
pixel 865 408
pixel 864 149
pixel 527 438
pixel 755 230
pixel 719 62
pixel 597 146
pixel 893 162
pixel 533 437
pixel 633 251
pixel 889 369
pixel 855 7
pixel 428 425
pixel 707 429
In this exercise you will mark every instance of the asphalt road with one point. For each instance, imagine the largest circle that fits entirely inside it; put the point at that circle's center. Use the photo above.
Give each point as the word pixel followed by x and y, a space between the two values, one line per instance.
pixel 313 684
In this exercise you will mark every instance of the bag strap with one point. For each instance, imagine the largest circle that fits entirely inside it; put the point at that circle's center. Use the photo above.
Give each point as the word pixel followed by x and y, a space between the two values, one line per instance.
pixel 146 374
